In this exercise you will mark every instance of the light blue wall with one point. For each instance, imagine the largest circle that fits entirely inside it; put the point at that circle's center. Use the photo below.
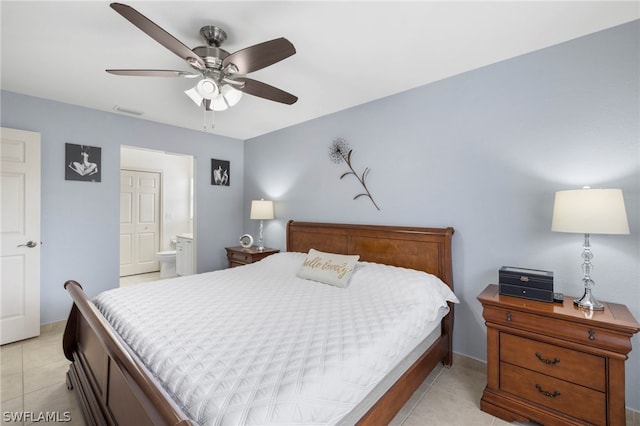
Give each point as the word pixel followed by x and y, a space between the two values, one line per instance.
pixel 80 220
pixel 483 152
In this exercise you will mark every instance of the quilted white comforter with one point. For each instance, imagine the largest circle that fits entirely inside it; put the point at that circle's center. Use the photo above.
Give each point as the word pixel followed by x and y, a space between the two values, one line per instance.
pixel 257 345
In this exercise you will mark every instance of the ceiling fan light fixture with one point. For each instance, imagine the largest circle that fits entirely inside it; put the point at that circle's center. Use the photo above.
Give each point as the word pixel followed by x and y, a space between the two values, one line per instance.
pixel 195 97
pixel 219 104
pixel 207 88
pixel 231 95
pixel 228 97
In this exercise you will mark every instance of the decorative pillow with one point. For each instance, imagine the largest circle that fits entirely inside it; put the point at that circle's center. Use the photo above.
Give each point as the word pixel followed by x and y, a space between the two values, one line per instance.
pixel 328 268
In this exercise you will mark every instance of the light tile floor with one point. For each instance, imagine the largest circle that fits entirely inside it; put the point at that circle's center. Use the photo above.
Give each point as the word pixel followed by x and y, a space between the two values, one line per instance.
pixel 33 381
pixel 137 279
pixel 449 396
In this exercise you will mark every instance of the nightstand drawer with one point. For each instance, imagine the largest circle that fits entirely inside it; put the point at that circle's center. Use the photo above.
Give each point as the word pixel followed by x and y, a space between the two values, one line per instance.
pixel 564 330
pixel 239 257
pixel 566 364
pixel 577 401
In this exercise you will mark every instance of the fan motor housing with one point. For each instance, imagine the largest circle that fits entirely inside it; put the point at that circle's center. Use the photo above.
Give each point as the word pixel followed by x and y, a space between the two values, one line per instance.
pixel 212 56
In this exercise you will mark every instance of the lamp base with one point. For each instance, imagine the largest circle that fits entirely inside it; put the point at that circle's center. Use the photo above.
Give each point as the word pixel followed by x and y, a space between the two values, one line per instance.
pixel 260 244
pixel 587 301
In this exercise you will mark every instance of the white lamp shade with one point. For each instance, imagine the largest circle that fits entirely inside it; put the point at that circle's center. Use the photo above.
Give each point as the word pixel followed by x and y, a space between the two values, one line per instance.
pixel 590 211
pixel 228 97
pixel 261 209
pixel 195 97
pixel 231 94
pixel 207 88
pixel 219 103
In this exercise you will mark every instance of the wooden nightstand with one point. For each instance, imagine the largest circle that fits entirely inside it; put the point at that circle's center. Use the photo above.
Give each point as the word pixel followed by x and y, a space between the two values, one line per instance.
pixel 239 256
pixel 554 363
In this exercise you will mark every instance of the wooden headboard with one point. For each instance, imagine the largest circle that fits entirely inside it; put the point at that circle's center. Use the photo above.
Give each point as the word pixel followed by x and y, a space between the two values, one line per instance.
pixel 424 249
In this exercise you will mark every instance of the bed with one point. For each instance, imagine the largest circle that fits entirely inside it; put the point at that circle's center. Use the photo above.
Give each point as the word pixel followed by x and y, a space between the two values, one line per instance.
pixel 115 386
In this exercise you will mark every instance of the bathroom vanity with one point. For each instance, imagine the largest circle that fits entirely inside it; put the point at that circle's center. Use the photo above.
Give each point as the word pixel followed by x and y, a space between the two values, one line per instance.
pixel 184 254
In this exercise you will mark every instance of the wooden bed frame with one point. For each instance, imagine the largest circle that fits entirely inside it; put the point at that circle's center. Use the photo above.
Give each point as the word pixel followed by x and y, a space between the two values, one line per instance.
pixel 114 387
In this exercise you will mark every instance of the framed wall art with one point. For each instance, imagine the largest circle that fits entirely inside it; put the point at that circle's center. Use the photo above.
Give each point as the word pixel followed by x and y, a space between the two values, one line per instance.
pixel 220 172
pixel 83 162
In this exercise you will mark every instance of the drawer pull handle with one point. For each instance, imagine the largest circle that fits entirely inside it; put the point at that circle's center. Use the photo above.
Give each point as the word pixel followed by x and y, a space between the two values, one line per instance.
pixel 592 335
pixel 547 394
pixel 508 316
pixel 547 361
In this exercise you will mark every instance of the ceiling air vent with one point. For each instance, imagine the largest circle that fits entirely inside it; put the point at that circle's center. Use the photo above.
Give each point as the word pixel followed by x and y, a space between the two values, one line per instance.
pixel 127 111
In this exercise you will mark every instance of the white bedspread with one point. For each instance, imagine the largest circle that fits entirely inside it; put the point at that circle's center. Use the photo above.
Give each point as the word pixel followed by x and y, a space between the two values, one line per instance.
pixel 257 345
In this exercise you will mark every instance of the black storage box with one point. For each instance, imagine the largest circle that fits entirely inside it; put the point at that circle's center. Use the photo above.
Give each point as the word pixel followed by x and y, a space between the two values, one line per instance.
pixel 527 283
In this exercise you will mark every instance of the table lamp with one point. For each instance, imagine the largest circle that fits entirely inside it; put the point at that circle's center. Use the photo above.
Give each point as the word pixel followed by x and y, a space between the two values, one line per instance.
pixel 261 209
pixel 589 211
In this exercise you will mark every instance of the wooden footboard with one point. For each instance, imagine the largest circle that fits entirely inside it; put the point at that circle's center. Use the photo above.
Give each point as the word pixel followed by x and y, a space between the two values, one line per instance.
pixel 114 387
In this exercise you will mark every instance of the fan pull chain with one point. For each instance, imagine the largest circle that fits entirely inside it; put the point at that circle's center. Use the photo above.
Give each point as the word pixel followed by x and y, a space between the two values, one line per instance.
pixel 204 117
pixel 213 124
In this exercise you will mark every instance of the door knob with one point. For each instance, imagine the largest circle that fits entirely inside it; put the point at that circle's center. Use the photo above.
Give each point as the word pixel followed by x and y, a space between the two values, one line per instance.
pixel 30 244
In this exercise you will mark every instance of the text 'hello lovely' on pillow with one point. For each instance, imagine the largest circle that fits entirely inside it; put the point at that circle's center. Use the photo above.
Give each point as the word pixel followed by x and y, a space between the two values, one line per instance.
pixel 328 268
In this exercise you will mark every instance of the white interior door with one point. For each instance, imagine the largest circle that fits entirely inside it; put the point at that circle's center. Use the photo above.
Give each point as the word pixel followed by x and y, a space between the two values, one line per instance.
pixel 20 234
pixel 139 221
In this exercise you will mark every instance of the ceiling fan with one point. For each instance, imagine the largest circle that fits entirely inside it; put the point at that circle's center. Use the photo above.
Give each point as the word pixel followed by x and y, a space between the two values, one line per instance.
pixel 223 81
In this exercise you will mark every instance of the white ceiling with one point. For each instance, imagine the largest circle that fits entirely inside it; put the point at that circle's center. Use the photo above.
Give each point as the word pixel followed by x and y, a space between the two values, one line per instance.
pixel 348 53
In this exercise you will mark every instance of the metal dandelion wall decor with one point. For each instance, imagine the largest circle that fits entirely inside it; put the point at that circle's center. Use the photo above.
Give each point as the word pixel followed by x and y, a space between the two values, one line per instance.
pixel 339 152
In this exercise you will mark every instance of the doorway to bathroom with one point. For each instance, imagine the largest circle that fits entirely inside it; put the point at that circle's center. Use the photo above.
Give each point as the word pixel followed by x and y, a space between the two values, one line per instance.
pixel 139 221
pixel 156 207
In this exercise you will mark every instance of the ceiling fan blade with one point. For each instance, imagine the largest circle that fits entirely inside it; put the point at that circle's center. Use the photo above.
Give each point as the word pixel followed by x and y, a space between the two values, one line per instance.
pixel 154 73
pixel 260 55
pixel 263 90
pixel 158 34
